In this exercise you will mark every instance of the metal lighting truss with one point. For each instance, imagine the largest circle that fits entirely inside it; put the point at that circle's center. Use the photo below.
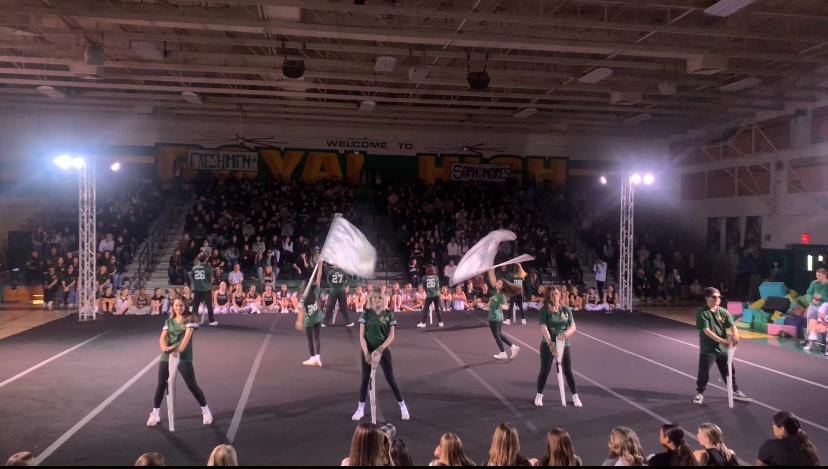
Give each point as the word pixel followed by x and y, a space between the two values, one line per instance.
pixel 87 238
pixel 626 243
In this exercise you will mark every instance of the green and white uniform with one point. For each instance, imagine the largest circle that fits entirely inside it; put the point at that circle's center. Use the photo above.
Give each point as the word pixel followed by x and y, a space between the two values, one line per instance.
pixel 431 283
pixel 175 335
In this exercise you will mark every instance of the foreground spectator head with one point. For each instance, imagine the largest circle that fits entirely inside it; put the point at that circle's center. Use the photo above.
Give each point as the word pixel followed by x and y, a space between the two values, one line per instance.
pixel 450 452
pixel 671 436
pixel 505 449
pixel 625 448
pixel 400 454
pixel 151 459
pixel 559 450
pixel 786 425
pixel 369 447
pixel 710 436
pixel 223 455
pixel 21 459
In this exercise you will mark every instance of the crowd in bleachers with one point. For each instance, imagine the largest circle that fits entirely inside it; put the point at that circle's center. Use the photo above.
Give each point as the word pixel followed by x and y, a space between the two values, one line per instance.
pixel 373 445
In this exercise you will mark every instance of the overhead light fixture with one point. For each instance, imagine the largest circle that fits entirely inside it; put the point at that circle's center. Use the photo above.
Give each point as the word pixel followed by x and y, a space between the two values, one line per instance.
pixel 367 106
pixel 635 178
pixel 649 179
pixel 706 64
pixel 727 7
pixel 115 167
pixel 191 97
pixel 596 76
pixel 147 51
pixel 385 63
pixel 638 118
pixel 667 88
pixel 51 92
pixel 625 98
pixel 293 68
pixel 478 80
pixel 417 74
pixel 741 84
pixel 603 179
pixel 526 113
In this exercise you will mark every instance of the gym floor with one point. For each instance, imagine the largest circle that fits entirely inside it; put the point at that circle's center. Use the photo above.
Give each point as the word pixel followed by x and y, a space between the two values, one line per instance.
pixel 80 393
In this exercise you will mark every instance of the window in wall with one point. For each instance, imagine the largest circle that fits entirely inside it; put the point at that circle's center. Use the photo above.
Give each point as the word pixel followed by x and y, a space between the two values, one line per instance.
pixel 733 229
pixel 714 234
pixel 753 180
pixel 753 232
pixel 819 122
pixel 721 183
pixel 808 175
pixel 692 186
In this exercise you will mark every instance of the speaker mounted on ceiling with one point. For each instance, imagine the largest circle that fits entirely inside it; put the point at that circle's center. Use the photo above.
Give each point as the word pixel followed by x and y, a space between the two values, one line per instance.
pixel 477 80
pixel 292 68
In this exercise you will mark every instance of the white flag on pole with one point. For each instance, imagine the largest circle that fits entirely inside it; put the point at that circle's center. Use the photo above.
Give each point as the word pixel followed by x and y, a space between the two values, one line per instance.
pixel 348 248
pixel 481 256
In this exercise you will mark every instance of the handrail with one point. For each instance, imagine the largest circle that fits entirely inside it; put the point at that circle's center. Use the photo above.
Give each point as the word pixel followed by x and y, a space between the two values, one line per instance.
pixel 147 259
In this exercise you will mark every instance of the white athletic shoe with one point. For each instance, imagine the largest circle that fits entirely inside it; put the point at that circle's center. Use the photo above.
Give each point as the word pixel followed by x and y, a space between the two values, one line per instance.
pixel 358 415
pixel 349 325
pixel 310 362
pixel 740 396
pixel 441 324
pixel 324 325
pixel 405 415
pixel 214 323
pixel 698 399
pixel 154 419
pixel 422 324
pixel 809 346
pixel 523 321
pixel 506 322
pixel 515 351
pixel 539 400
pixel 501 356
pixel 207 417
pixel 318 361
pixel 575 401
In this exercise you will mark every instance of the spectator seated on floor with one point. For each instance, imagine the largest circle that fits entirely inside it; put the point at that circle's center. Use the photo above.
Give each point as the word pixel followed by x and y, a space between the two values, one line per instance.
pixel 594 302
pixel 641 285
pixel 658 285
pixel 576 301
pixel 236 277
pixel 140 303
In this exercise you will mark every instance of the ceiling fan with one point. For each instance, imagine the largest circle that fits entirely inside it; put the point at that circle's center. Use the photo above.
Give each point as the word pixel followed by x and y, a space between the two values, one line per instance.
pixel 249 142
pixel 465 148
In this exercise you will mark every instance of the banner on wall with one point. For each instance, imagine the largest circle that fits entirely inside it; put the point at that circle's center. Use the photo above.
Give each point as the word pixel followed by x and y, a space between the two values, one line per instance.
pixel 223 160
pixel 480 172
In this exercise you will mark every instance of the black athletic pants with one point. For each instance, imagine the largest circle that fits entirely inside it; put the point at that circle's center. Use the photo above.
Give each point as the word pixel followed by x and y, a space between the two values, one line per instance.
pixel 601 290
pixel 546 366
pixel 314 344
pixel 517 300
pixel 207 298
pixel 705 362
pixel 387 370
pixel 499 337
pixel 435 300
pixel 333 297
pixel 187 372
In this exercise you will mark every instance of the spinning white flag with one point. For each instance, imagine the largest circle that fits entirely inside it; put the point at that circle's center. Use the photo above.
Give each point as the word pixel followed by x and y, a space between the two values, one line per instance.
pixel 348 248
pixel 481 256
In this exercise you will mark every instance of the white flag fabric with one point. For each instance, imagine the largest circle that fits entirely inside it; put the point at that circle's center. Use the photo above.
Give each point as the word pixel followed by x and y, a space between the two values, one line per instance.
pixel 348 248
pixel 481 256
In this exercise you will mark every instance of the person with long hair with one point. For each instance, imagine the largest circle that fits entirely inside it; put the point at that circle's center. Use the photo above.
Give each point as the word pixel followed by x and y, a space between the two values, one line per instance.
pixel 559 450
pixel 223 455
pixel 123 302
pixel 22 459
pixel 791 447
pixel 221 299
pixel 624 448
pixel 715 453
pixel 376 334
pixel 460 300
pixel 270 303
pixel 396 298
pixel 400 456
pixel 254 300
pixel 564 290
pixel 151 460
pixel 202 280
pixel 555 321
pixel 238 299
pixel 505 449
pixel 678 452
pixel 611 298
pixel 450 452
pixel 445 298
pixel 314 315
pixel 431 282
pixel 177 339
pixel 516 275
pixel 593 301
pixel 369 447
pixel 496 304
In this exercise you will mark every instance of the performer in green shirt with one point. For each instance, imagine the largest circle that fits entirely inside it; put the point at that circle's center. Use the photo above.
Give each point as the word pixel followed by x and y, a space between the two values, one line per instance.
pixel 516 276
pixel 817 295
pixel 177 339
pixel 713 323
pixel 202 280
pixel 313 317
pixel 556 321
pixel 337 281
pixel 496 304
pixel 431 283
pixel 376 333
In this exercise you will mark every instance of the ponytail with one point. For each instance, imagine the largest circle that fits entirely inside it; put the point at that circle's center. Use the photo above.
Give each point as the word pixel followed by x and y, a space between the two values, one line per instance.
pixel 806 452
pixel 675 435
pixel 714 434
pixel 729 454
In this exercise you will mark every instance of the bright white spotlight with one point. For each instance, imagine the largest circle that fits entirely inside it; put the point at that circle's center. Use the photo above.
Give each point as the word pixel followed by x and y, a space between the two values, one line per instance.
pixel 115 167
pixel 635 178
pixel 78 163
pixel 603 179
pixel 63 161
pixel 648 179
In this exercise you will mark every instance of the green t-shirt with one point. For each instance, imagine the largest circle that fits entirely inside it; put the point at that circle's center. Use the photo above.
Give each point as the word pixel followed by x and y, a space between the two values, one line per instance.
pixel 313 313
pixel 517 280
pixel 202 278
pixel 718 322
pixel 495 310
pixel 175 334
pixel 556 322
pixel 816 287
pixel 432 286
pixel 337 279
pixel 377 327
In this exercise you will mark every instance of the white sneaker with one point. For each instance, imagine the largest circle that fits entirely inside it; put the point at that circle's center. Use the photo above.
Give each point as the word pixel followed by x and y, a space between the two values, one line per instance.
pixel 405 415
pixel 501 356
pixel 349 325
pixel 809 346
pixel 515 351
pixel 318 361
pixel 698 399
pixel 506 322
pixel 309 362
pixel 422 324
pixel 214 323
pixel 441 324
pixel 324 325
pixel 523 321
pixel 575 401
pixel 539 400
pixel 207 417
pixel 358 415
pixel 740 396
pixel 154 419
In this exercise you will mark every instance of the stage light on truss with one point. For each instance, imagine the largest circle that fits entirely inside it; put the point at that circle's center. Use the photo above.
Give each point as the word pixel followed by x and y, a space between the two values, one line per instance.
pixel 603 179
pixel 649 179
pixel 635 178
pixel 115 167
pixel 64 161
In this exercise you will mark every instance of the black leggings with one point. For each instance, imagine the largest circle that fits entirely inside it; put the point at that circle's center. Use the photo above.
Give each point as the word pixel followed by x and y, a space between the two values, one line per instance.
pixel 499 337
pixel 546 367
pixel 187 372
pixel 435 300
pixel 207 298
pixel 333 297
pixel 517 300
pixel 387 370
pixel 705 362
pixel 314 345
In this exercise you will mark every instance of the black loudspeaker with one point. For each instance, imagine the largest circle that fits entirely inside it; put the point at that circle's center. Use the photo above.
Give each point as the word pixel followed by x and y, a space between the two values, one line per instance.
pixel 478 80
pixel 776 303
pixel 293 68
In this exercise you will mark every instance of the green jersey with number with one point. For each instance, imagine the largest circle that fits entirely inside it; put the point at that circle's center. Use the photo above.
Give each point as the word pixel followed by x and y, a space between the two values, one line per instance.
pixel 175 335
pixel 337 279
pixel 517 280
pixel 313 313
pixel 432 286
pixel 556 322
pixel 202 278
